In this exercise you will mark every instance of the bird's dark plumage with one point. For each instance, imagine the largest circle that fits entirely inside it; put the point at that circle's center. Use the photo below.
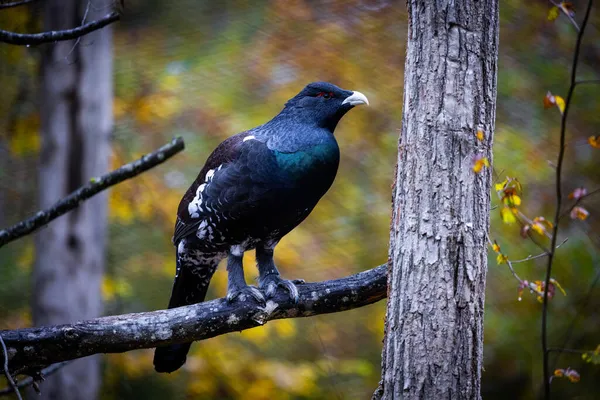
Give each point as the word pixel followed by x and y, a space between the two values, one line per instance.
pixel 255 188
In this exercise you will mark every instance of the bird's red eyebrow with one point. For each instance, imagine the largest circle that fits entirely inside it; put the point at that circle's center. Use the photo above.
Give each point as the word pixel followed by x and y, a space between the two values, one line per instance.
pixel 321 94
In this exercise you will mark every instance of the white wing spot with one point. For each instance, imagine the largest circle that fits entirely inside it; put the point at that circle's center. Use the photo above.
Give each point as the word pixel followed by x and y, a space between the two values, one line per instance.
pixel 201 232
pixel 250 137
pixel 196 203
pixel 209 175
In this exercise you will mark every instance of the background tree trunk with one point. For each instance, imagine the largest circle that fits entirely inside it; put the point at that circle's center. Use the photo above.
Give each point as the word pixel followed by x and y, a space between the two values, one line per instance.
pixel 76 112
pixel 434 330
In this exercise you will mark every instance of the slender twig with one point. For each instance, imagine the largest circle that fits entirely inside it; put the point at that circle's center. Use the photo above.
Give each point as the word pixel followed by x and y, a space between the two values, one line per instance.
pixel 32 348
pixel 44 373
pixel 30 39
pixel 512 270
pixel 561 154
pixel 564 11
pixel 532 257
pixel 95 186
pixel 9 377
pixel 576 203
pixel 87 10
pixel 588 81
pixel 15 4
pixel 561 350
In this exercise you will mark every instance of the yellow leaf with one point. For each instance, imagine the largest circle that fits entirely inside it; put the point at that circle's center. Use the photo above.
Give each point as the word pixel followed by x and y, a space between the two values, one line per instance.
pixel 579 213
pixel 553 13
pixel 480 162
pixel 501 185
pixel 479 135
pixel 594 141
pixel 560 103
pixel 537 227
pixel 555 283
pixel 496 247
pixel 501 259
pixel 508 216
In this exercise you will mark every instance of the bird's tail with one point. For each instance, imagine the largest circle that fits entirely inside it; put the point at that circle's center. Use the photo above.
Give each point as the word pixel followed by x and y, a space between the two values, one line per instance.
pixel 188 288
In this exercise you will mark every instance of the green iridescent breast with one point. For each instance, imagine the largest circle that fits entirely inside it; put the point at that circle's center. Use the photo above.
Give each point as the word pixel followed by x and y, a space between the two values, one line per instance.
pixel 309 160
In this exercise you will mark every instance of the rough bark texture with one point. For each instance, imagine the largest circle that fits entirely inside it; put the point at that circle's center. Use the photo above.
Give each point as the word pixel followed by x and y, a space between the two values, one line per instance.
pixel 434 330
pixel 33 348
pixel 76 110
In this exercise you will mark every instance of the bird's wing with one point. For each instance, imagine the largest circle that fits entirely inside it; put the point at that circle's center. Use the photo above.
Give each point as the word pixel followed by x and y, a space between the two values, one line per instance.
pixel 234 180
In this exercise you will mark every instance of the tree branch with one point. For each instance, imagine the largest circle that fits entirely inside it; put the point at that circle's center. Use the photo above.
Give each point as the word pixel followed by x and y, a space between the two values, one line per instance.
pixel 559 199
pixel 15 4
pixel 33 380
pixel 9 377
pixel 95 186
pixel 30 349
pixel 29 39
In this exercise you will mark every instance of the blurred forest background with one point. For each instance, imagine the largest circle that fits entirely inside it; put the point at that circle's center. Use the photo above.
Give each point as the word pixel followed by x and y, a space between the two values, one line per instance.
pixel 207 69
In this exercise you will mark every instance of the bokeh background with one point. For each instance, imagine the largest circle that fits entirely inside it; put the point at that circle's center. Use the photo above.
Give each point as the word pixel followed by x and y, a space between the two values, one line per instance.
pixel 207 69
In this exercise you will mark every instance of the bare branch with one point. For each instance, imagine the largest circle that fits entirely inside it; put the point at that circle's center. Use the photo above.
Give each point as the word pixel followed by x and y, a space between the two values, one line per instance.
pixel 9 377
pixel 95 186
pixel 46 372
pixel 544 254
pixel 576 203
pixel 15 4
pixel 588 82
pixel 559 199
pixel 33 348
pixel 29 39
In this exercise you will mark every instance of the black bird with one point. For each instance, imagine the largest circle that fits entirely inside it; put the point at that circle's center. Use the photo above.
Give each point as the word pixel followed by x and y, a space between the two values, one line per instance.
pixel 255 188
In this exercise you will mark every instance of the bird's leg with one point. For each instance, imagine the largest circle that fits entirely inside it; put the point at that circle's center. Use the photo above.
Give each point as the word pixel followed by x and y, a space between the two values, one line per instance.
pixel 236 284
pixel 269 278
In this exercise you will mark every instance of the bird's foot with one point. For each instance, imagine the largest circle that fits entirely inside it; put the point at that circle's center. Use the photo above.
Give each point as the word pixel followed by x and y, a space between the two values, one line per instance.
pixel 243 292
pixel 269 285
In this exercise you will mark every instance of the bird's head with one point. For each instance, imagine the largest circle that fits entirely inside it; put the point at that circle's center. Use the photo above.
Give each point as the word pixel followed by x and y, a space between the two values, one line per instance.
pixel 323 103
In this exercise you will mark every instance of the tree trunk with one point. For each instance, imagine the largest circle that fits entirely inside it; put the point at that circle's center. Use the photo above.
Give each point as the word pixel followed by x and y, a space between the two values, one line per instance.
pixel 76 112
pixel 434 330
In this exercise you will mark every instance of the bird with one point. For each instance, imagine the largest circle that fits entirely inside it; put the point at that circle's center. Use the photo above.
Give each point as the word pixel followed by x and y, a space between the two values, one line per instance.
pixel 255 188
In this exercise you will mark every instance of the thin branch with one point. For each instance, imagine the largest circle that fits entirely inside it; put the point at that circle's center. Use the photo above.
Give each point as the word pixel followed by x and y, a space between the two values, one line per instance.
pixel 9 377
pixel 588 81
pixel 565 12
pixel 95 186
pixel 32 348
pixel 544 254
pixel 561 155
pixel 510 263
pixel 25 39
pixel 15 4
pixel 561 350
pixel 46 372
pixel 577 202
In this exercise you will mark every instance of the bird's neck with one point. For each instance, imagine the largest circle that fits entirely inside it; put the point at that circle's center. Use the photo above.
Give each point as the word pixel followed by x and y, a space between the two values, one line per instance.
pixel 288 133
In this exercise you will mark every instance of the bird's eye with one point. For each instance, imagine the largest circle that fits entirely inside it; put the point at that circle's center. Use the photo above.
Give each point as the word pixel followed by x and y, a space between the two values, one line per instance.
pixel 325 95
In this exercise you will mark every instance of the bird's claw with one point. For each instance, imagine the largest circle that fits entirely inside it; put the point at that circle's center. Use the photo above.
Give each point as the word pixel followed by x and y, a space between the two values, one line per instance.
pixel 243 292
pixel 270 283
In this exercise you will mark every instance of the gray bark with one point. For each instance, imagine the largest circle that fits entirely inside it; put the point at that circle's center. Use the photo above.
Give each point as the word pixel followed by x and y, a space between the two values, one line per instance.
pixel 76 111
pixel 31 349
pixel 438 237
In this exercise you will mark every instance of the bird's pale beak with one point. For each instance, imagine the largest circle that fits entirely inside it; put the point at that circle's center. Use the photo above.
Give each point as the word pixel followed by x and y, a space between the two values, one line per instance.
pixel 356 99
